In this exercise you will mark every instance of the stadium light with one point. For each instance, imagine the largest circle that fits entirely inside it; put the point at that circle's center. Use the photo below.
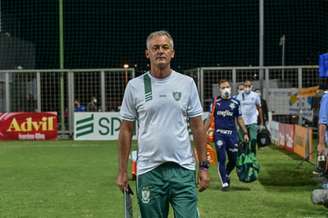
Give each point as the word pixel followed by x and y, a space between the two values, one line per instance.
pixel 126 67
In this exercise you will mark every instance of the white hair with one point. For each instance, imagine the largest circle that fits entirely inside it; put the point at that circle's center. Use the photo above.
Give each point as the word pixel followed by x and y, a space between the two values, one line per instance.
pixel 160 33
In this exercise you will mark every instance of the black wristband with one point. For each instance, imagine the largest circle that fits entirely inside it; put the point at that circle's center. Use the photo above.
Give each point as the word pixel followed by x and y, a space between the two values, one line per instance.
pixel 205 164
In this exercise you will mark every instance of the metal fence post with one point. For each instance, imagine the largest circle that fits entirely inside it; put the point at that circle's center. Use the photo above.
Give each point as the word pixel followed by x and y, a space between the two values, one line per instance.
pixel 103 91
pixel 71 98
pixel 267 83
pixel 300 100
pixel 300 82
pixel 234 80
pixel 200 76
pixel 7 88
pixel 38 91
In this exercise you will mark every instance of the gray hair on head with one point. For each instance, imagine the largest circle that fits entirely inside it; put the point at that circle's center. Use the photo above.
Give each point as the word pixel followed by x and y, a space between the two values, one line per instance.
pixel 160 33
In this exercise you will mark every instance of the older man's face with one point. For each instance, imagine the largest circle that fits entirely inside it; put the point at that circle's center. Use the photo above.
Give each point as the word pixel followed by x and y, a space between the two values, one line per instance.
pixel 160 51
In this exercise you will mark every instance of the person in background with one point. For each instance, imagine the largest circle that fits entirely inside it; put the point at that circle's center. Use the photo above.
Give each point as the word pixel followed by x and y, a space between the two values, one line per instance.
pixel 264 107
pixel 78 107
pixel 226 114
pixel 92 105
pixel 240 89
pixel 162 101
pixel 323 123
pixel 251 108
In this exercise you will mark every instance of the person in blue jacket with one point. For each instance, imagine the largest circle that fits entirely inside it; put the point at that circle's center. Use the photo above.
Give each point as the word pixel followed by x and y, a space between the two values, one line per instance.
pixel 226 114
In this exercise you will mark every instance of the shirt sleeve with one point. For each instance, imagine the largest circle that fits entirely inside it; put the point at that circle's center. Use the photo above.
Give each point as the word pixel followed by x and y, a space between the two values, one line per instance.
pixel 194 107
pixel 128 109
pixel 323 114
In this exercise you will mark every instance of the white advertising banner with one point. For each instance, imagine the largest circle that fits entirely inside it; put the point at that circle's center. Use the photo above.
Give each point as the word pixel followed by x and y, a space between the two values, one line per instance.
pixel 101 125
pixel 286 101
pixel 97 125
pixel 280 100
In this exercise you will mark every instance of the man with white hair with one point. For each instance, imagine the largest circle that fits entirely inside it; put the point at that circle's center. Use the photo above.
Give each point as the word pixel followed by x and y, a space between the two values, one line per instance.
pixel 162 101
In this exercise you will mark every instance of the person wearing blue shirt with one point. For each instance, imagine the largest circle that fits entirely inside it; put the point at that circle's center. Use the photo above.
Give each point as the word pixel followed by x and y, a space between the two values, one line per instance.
pixel 323 122
pixel 226 113
pixel 78 107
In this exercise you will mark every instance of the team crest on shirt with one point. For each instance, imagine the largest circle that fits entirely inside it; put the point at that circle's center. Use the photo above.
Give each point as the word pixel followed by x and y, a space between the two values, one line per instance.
pixel 232 106
pixel 219 143
pixel 145 195
pixel 177 95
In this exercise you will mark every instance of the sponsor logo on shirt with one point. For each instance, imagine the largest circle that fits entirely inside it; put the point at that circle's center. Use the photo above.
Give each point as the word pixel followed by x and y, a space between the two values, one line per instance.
pixel 225 113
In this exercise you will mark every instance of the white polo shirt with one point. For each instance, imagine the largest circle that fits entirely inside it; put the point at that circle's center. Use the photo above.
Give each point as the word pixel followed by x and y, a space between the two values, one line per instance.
pixel 162 107
pixel 248 103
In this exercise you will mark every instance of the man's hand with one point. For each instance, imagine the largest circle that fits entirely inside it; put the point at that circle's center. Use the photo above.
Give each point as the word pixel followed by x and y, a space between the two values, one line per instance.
pixel 203 179
pixel 321 149
pixel 246 138
pixel 122 180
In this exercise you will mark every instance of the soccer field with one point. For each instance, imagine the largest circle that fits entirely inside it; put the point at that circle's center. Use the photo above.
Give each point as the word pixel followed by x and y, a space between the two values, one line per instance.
pixel 77 179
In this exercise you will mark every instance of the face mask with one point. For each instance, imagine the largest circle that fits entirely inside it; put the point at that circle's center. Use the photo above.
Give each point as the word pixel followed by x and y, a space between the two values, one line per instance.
pixel 225 93
pixel 240 92
pixel 248 90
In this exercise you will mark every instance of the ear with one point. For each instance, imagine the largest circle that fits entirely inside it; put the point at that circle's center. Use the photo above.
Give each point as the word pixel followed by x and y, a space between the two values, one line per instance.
pixel 147 53
pixel 173 54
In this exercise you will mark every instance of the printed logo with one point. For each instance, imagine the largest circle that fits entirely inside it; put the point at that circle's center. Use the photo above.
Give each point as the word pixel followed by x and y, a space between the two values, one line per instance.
pixel 177 95
pixel 224 113
pixel 232 106
pixel 84 126
pixel 162 96
pixel 219 143
pixel 145 195
pixel 43 124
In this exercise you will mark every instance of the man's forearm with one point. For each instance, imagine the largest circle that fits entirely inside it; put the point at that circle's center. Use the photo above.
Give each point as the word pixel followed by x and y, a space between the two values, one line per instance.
pixel 242 124
pixel 200 146
pixel 261 115
pixel 199 136
pixel 124 149
pixel 322 133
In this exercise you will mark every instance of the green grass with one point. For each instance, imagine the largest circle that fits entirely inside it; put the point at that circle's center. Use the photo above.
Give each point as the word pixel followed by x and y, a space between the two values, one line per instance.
pixel 77 179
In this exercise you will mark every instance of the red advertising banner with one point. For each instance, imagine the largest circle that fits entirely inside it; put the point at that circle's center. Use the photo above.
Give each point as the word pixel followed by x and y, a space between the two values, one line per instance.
pixel 286 136
pixel 282 135
pixel 28 126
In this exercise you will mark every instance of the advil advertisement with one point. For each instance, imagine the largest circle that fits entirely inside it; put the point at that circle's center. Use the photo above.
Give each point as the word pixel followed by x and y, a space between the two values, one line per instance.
pixel 28 126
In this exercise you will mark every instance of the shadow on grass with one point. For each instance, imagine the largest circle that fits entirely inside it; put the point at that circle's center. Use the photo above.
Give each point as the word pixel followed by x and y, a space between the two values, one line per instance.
pixel 232 187
pixel 282 176
pixel 285 172
pixel 239 188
